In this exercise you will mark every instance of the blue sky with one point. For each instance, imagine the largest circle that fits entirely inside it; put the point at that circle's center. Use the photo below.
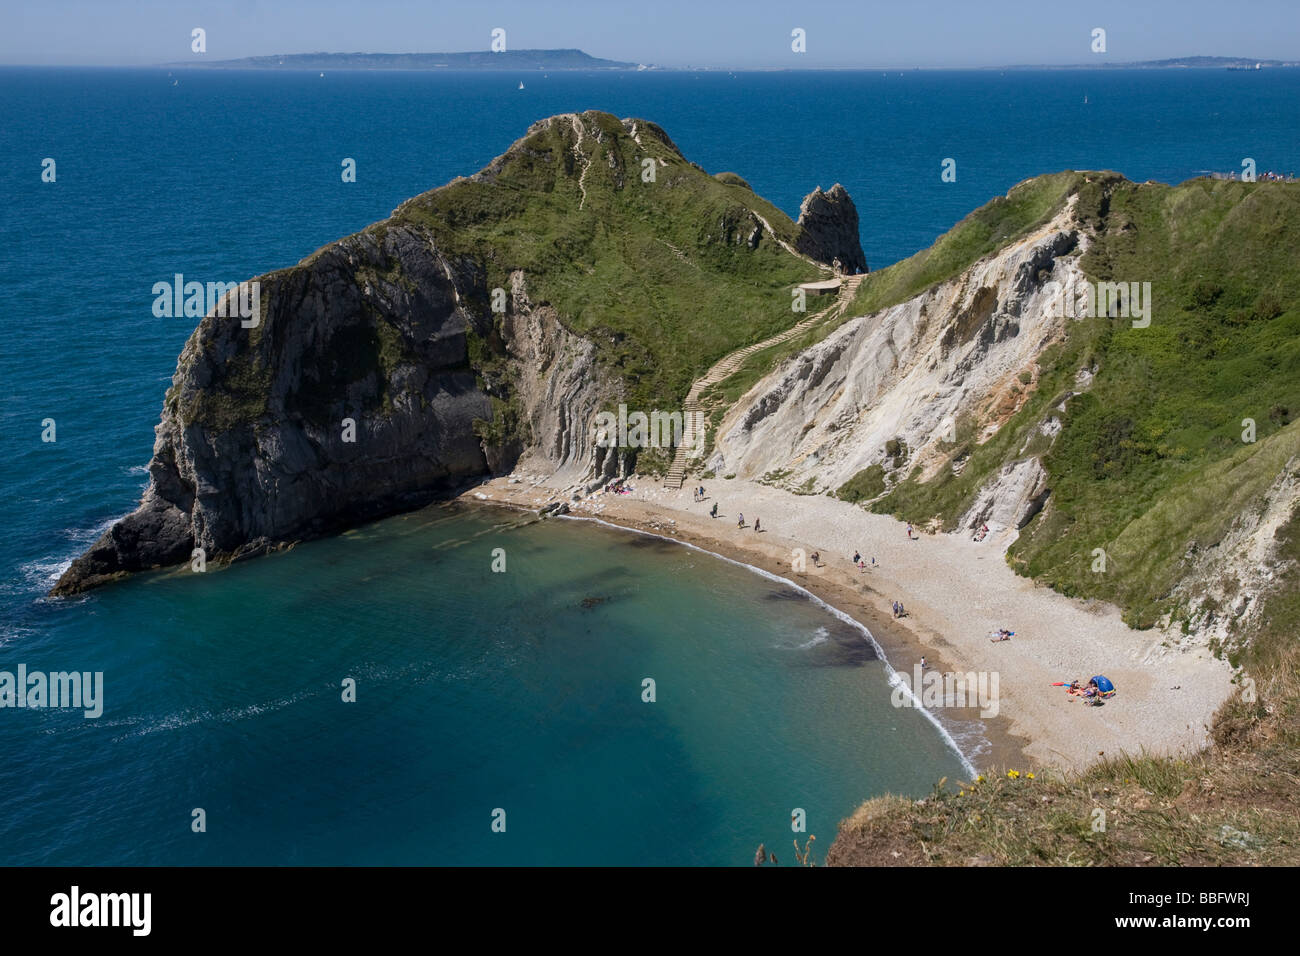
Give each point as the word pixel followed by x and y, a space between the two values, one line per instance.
pixel 754 33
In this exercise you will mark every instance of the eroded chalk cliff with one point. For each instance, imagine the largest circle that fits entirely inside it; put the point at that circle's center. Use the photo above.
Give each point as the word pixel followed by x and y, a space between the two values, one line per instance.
pixel 891 389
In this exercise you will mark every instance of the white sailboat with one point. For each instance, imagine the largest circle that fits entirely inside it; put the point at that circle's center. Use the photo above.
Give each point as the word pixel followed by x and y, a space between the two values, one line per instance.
pixel 521 84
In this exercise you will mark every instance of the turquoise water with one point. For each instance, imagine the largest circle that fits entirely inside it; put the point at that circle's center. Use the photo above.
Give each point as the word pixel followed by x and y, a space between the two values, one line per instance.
pixel 476 691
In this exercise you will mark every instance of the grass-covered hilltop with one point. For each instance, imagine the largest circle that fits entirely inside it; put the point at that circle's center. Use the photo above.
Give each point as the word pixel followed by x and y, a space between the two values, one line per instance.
pixel 664 267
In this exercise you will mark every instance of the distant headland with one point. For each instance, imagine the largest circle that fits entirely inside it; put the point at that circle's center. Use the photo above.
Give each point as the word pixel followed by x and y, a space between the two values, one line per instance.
pixel 476 60
pixel 1176 63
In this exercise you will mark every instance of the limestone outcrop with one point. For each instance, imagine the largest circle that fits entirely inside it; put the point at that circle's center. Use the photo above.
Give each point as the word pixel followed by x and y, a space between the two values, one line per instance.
pixel 829 224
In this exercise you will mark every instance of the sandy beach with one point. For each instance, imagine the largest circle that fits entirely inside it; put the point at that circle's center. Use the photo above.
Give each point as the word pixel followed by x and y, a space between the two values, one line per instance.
pixel 956 591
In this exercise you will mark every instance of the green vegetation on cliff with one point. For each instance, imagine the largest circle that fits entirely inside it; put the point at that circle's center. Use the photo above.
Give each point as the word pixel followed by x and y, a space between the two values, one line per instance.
pixel 1173 432
pixel 1150 460
pixel 663 266
pixel 1234 805
pixel 1027 206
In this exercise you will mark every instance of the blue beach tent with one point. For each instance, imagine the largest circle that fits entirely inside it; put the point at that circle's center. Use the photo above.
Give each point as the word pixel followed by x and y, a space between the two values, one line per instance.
pixel 1103 684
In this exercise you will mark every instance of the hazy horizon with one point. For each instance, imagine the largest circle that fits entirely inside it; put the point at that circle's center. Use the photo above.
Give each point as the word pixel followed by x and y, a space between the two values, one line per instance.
pixel 757 35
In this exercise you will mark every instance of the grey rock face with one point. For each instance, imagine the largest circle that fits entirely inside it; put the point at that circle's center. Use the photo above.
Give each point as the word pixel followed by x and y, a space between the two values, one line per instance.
pixel 829 221
pixel 1011 499
pixel 559 386
pixel 156 534
pixel 350 399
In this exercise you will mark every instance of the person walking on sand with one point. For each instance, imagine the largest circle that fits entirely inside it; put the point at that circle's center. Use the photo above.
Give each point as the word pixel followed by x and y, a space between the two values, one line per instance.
pixel 923 664
pixel 756 526
pixel 714 512
pixel 857 558
pixel 740 522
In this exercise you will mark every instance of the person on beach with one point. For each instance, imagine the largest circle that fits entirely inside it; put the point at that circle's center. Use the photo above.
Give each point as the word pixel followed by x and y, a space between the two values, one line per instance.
pixel 857 558
pixel 713 513
pixel 740 522
pixel 923 664
pixel 756 529
pixel 816 558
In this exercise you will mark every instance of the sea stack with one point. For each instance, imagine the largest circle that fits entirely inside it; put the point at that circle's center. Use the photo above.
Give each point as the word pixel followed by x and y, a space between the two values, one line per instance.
pixel 829 224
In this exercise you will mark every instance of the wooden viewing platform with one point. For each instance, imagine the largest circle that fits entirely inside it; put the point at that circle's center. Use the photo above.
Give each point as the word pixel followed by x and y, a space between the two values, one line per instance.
pixel 825 285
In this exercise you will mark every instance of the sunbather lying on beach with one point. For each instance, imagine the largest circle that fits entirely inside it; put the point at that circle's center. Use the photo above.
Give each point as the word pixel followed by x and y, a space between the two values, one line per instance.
pixel 1002 634
pixel 1079 689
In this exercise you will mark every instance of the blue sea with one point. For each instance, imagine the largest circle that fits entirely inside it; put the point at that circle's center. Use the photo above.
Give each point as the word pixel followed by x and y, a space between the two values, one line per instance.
pixel 476 692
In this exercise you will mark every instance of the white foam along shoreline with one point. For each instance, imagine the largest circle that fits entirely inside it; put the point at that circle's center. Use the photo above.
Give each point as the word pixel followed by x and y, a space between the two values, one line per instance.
pixel 893 677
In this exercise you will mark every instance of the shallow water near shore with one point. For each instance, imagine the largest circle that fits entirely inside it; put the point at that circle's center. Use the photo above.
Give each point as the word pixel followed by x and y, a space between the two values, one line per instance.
pixel 476 690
